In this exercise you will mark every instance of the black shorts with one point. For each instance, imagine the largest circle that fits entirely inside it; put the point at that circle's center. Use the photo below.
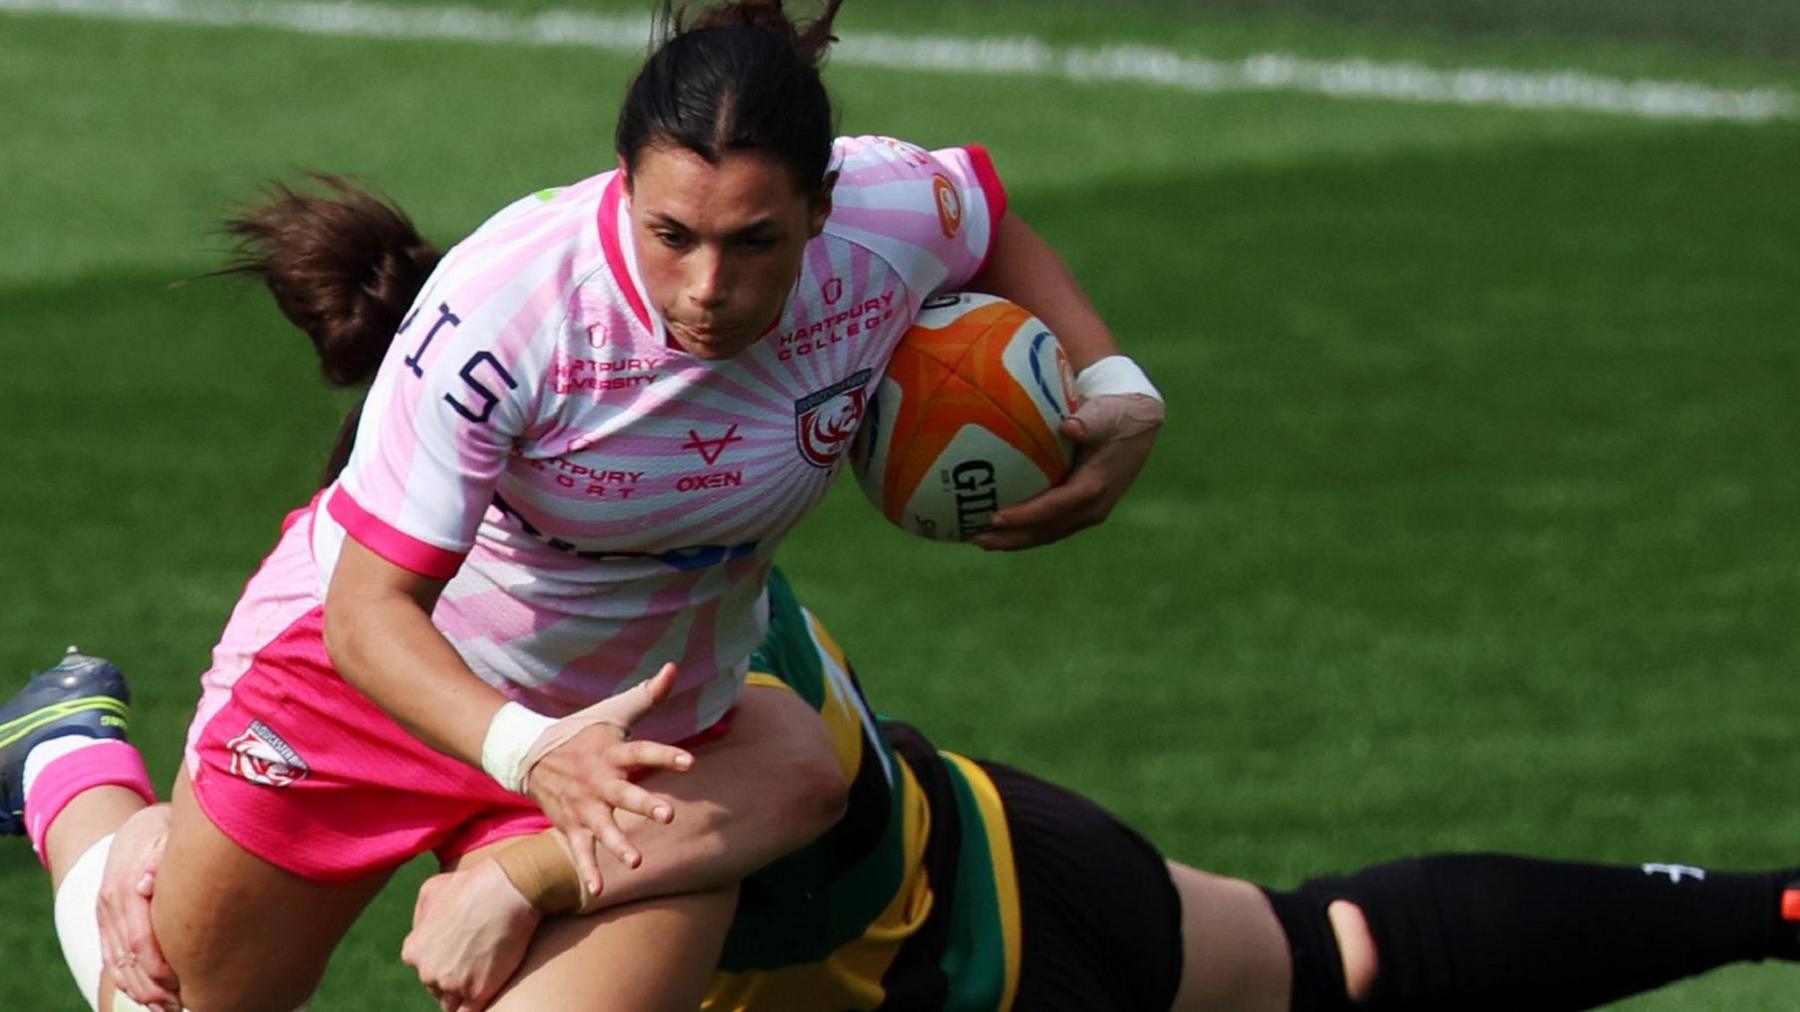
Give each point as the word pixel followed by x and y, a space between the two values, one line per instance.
pixel 1100 918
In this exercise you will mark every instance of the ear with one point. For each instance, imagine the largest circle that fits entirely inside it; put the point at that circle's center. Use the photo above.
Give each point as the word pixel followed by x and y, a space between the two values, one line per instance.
pixel 625 174
pixel 821 204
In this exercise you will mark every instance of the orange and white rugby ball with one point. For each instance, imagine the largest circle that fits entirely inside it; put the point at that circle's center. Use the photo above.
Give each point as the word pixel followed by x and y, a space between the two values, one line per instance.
pixel 965 422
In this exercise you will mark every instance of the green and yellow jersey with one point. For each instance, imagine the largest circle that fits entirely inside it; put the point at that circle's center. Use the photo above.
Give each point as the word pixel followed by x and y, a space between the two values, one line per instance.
pixel 910 901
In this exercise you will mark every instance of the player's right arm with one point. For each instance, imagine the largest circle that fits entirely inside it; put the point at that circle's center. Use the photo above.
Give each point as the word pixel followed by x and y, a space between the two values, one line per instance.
pixel 379 634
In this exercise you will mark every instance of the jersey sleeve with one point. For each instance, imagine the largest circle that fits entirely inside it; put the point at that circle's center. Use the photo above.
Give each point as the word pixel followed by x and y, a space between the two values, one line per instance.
pixel 933 215
pixel 453 397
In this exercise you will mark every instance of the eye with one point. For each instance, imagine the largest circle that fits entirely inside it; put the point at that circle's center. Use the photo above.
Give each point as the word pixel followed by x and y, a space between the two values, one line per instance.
pixel 672 239
pixel 758 243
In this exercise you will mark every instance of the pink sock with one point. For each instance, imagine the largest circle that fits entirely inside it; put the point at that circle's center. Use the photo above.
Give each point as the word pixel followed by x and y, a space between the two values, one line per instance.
pixel 101 764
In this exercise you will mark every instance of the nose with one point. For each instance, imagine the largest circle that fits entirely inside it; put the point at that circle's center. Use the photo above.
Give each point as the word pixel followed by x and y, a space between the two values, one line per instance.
pixel 708 286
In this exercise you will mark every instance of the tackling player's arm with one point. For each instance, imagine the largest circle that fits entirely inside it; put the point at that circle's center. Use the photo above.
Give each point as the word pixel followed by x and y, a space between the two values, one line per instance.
pixel 774 776
pixel 1113 431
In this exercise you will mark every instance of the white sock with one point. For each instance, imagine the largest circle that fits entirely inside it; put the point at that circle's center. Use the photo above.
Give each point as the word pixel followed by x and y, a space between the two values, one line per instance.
pixel 77 926
pixel 44 752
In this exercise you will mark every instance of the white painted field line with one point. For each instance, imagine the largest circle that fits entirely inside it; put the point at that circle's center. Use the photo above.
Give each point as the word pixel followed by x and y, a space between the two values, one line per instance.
pixel 1021 56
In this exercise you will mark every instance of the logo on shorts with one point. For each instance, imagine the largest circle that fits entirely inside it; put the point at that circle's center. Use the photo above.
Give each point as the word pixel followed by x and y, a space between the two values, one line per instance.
pixel 826 421
pixel 261 756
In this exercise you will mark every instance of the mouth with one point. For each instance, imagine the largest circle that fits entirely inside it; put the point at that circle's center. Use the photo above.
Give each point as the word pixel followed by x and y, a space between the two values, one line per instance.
pixel 706 335
pixel 704 342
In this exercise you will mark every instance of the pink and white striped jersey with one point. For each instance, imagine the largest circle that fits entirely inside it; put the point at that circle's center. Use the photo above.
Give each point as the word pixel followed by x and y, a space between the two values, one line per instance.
pixel 601 501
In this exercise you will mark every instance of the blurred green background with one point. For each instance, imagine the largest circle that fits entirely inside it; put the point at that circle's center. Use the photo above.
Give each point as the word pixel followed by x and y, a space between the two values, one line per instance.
pixel 1761 28
pixel 1475 523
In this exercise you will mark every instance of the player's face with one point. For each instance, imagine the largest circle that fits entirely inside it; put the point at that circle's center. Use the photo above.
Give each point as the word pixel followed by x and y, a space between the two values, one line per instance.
pixel 719 246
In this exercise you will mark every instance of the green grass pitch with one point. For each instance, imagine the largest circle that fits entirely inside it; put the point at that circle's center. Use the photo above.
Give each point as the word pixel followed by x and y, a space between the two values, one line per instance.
pixel 1475 524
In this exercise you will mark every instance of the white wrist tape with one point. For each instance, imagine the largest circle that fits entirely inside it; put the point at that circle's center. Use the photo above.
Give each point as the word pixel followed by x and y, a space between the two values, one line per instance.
pixel 1114 374
pixel 510 736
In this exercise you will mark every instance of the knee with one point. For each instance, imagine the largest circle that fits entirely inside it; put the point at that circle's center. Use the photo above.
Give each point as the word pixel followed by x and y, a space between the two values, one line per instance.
pixel 119 1001
pixel 1356 949
pixel 816 795
pixel 223 1001
pixel 800 779
pixel 219 990
pixel 219 976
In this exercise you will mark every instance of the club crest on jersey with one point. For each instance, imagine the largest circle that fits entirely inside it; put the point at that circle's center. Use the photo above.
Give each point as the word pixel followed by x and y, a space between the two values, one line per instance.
pixel 832 291
pixel 825 421
pixel 261 756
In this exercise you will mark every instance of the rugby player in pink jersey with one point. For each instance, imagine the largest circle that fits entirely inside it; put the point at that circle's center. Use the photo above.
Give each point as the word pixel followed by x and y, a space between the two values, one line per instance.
pixel 556 526
pixel 947 883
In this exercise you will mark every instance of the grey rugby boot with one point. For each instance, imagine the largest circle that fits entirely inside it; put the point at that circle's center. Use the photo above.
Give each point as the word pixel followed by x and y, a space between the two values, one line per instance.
pixel 80 695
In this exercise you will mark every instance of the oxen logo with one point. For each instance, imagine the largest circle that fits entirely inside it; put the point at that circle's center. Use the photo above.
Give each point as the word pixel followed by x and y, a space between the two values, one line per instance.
pixel 832 290
pixel 825 422
pixel 710 449
pixel 949 204
pixel 260 756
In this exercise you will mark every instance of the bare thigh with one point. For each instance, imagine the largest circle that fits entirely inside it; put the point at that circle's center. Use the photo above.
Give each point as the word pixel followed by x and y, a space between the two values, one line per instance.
pixel 1234 953
pixel 645 956
pixel 241 934
pixel 649 956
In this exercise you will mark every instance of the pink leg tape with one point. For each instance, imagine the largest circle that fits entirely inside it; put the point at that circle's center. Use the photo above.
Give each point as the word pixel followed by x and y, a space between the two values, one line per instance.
pixel 106 763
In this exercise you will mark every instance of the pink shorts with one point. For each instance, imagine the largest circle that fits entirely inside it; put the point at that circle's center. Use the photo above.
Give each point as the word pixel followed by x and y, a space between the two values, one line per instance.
pixel 303 771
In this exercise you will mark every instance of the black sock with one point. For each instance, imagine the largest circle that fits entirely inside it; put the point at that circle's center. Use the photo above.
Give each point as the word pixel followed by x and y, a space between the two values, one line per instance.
pixel 1488 931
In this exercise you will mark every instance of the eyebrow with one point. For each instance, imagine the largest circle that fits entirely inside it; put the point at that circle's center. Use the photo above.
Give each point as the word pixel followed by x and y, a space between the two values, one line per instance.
pixel 761 225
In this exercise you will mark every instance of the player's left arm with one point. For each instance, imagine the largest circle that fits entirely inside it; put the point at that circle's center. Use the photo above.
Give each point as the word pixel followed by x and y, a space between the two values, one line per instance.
pixel 1115 424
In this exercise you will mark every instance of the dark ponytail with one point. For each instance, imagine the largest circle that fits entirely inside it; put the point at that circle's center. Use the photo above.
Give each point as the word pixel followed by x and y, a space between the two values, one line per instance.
pixel 742 76
pixel 343 267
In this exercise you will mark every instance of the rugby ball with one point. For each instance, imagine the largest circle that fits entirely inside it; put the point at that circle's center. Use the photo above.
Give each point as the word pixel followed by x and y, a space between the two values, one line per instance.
pixel 965 422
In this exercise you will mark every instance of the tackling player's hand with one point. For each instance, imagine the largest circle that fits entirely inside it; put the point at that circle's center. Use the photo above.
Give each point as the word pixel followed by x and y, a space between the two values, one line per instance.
pixel 127 943
pixel 1113 434
pixel 470 931
pixel 583 779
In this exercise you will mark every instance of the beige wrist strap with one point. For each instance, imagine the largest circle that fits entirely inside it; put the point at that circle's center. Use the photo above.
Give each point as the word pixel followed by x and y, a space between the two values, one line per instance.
pixel 543 872
pixel 557 732
pixel 1121 415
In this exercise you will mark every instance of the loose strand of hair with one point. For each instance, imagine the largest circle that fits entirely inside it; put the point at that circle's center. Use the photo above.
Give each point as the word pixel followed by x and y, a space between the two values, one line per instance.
pixel 809 38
